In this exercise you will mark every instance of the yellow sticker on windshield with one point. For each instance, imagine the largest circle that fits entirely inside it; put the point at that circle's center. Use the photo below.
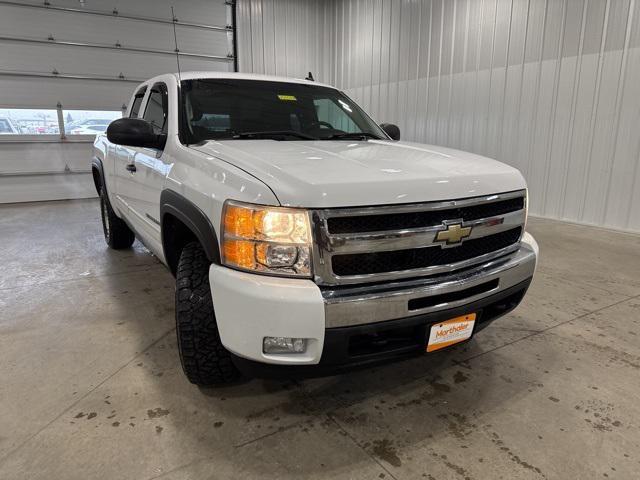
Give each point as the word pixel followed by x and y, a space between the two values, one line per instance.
pixel 287 98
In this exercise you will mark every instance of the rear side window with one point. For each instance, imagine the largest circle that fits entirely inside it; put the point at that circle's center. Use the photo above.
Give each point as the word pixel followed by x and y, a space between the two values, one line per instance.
pixel 157 108
pixel 137 101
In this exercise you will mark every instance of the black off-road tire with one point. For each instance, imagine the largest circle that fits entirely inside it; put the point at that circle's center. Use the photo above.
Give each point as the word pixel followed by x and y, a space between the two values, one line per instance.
pixel 117 233
pixel 204 360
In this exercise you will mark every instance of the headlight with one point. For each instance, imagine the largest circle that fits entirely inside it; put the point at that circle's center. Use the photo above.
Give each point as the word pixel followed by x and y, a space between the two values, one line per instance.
pixel 265 239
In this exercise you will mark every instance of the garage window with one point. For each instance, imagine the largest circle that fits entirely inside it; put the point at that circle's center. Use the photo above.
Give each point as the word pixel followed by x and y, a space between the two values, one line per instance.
pixel 26 121
pixel 88 122
pixel 33 124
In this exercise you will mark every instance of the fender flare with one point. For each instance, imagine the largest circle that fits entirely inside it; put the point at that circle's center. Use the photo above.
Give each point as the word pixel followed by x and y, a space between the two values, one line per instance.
pixel 98 178
pixel 194 219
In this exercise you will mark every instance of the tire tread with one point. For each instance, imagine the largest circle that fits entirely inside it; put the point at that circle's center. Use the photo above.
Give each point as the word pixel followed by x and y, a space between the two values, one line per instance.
pixel 120 235
pixel 204 359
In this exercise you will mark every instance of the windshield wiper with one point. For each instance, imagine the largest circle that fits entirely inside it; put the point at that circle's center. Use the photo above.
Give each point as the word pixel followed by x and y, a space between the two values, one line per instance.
pixel 352 136
pixel 273 133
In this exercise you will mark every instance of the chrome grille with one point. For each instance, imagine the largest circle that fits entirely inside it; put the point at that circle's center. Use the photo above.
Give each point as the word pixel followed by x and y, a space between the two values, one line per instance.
pixel 371 244
pixel 389 261
pixel 420 219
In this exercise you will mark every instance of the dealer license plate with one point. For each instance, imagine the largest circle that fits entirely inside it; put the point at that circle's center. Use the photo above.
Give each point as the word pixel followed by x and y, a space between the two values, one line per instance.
pixel 451 331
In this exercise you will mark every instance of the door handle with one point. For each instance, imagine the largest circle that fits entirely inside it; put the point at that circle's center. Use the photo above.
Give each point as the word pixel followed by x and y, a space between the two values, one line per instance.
pixel 131 167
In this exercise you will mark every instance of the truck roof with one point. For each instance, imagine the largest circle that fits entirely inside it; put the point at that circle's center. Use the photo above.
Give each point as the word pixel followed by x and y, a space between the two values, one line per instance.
pixel 244 76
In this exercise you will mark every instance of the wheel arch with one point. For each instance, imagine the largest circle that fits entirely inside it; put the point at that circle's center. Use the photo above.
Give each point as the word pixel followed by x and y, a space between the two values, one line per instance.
pixel 182 221
pixel 97 171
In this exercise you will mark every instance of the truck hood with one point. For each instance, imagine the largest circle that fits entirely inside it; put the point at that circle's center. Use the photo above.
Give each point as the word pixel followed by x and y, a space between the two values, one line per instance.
pixel 325 174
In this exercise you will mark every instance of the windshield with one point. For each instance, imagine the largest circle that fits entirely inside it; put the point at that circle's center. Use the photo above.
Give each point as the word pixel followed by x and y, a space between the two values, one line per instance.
pixel 247 109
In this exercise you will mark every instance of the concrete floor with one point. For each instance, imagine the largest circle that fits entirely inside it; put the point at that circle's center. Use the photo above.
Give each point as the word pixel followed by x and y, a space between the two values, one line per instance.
pixel 91 386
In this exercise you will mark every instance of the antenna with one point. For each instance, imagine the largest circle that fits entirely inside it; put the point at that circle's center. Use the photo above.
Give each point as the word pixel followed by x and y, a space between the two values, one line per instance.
pixel 310 77
pixel 175 39
pixel 181 116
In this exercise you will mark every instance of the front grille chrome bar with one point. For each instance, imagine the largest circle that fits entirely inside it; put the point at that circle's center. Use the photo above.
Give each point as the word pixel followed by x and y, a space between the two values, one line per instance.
pixel 326 244
pixel 418 237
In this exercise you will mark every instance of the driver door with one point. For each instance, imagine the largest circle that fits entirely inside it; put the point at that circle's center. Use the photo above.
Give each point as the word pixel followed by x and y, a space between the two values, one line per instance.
pixel 146 171
pixel 125 180
pixel 149 172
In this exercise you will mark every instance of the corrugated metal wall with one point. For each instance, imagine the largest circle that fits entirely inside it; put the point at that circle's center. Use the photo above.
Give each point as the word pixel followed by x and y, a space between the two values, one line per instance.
pixel 286 37
pixel 549 86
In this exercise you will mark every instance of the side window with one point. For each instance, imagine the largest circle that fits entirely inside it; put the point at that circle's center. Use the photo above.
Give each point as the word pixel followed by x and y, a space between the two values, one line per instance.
pixel 157 108
pixel 329 112
pixel 137 101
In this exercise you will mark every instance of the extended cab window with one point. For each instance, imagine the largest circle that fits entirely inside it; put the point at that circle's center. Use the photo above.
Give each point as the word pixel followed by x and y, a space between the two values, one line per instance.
pixel 157 108
pixel 137 101
pixel 251 109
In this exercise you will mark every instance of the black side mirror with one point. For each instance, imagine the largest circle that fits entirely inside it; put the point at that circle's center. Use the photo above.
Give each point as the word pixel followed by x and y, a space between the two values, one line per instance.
pixel 392 130
pixel 135 132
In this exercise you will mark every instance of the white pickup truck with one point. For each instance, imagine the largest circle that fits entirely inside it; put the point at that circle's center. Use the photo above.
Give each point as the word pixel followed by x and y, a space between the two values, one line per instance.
pixel 305 238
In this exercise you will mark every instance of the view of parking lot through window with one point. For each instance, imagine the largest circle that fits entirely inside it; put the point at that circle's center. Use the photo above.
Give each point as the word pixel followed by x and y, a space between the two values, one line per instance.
pixel 88 122
pixel 23 121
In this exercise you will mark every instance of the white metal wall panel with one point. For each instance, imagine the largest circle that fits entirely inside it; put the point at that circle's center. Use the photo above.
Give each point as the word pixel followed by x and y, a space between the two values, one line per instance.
pixel 286 38
pixel 46 187
pixel 549 86
pixel 109 63
pixel 204 12
pixel 76 94
pixel 62 25
pixel 70 156
pixel 19 24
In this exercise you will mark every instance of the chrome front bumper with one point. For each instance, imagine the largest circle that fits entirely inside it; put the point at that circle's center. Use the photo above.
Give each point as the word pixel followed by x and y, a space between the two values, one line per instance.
pixel 359 305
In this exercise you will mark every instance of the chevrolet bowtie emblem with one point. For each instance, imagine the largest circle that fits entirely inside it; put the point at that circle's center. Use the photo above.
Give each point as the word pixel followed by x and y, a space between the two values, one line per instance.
pixel 454 234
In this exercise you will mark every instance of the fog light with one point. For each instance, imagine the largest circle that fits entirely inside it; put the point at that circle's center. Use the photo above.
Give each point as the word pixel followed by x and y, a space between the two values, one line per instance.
pixel 284 345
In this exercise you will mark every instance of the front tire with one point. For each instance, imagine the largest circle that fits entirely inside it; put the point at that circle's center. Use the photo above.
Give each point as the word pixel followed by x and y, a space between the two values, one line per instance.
pixel 204 359
pixel 117 234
